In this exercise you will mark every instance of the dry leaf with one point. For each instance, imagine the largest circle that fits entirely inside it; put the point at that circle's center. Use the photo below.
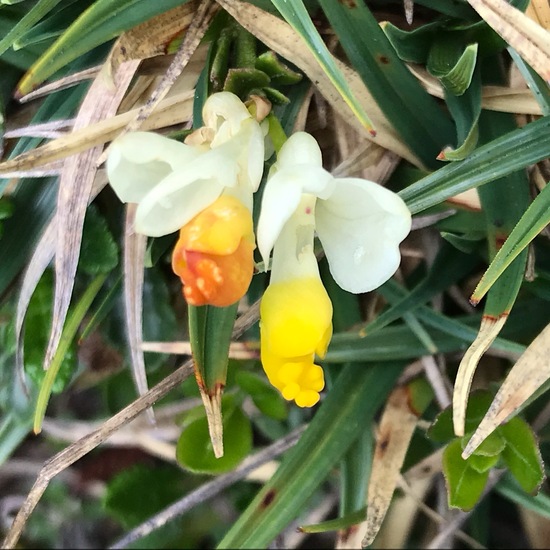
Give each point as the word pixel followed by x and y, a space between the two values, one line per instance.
pixel 75 189
pixel 134 255
pixel 524 379
pixel 396 428
pixel 489 329
pixel 528 38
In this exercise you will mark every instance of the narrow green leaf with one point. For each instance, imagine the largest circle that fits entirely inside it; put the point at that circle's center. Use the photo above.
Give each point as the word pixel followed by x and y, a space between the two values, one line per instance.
pixel 358 392
pixel 97 25
pixel 297 16
pixel 536 84
pixel 74 318
pixel 464 484
pixel 451 63
pixel 522 455
pixel 448 267
pixel 535 219
pixel 411 110
pixel 35 14
pixel 502 156
pixel 353 518
pixel 509 488
pixel 210 330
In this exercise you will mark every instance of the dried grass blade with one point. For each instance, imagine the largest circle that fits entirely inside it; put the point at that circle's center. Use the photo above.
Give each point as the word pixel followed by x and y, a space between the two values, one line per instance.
pixel 530 372
pixel 134 254
pixel 528 38
pixel 172 110
pixel 397 426
pixel 43 255
pixel 198 27
pixel 75 189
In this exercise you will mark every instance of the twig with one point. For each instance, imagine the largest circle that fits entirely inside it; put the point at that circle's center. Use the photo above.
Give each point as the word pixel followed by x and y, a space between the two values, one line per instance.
pixel 77 450
pixel 210 489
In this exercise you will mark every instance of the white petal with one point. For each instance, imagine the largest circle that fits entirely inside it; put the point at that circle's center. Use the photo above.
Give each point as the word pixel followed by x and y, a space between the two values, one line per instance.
pixel 184 193
pixel 360 227
pixel 224 112
pixel 282 194
pixel 300 148
pixel 138 161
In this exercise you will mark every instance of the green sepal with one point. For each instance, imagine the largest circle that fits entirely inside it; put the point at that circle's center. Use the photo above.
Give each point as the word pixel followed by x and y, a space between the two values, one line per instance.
pixel 412 46
pixel 464 484
pixel 242 80
pixel 279 73
pixel 468 243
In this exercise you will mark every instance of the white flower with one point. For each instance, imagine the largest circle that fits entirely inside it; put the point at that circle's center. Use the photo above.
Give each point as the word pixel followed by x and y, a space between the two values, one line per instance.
pixel 173 182
pixel 359 223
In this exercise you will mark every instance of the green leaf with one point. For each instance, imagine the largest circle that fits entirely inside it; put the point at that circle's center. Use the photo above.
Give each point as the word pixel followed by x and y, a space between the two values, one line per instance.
pixel 533 221
pixel 451 63
pixel 414 114
pixel 412 46
pixel 478 405
pixel 99 252
pixel 521 454
pixel 37 320
pixel 35 14
pixel 349 406
pixel 502 156
pixel 493 445
pixel 482 463
pixel 448 267
pixel 97 25
pixel 194 448
pixel 210 330
pixel 343 522
pixel 265 396
pixel 464 484
pixel 297 16
pixel 136 494
pixel 74 318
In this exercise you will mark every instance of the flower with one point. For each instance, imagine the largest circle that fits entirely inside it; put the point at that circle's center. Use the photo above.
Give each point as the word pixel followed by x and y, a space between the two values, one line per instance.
pixel 202 188
pixel 360 225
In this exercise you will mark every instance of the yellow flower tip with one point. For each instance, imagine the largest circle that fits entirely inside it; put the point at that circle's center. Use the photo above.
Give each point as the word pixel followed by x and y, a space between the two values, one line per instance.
pixel 301 382
pixel 213 256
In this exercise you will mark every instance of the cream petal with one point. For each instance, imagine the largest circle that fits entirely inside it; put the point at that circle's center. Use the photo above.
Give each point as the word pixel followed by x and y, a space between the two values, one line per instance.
pixel 224 112
pixel 360 227
pixel 300 148
pixel 184 193
pixel 282 194
pixel 138 161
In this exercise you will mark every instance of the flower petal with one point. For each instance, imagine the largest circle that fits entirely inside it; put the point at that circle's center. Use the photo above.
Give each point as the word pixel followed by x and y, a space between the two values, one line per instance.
pixel 184 193
pixel 138 161
pixel 282 195
pixel 224 112
pixel 360 227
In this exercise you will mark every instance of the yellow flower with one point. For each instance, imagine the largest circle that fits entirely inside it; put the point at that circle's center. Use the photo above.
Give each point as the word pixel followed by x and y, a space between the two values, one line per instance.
pixel 295 325
pixel 360 225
